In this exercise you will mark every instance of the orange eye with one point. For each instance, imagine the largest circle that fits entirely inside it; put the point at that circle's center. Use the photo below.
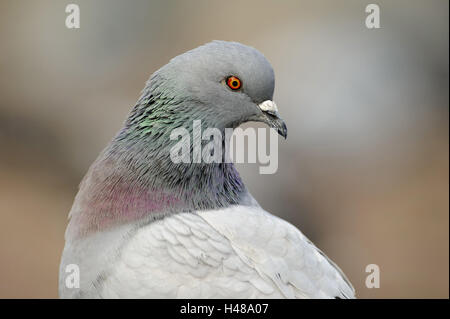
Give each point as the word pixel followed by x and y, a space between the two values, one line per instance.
pixel 234 83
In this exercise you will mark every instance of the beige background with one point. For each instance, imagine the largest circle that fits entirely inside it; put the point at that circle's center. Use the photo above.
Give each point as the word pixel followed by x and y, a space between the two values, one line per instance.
pixel 363 173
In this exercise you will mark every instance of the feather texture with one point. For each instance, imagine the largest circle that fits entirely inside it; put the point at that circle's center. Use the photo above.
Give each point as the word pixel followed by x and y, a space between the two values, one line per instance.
pixel 236 252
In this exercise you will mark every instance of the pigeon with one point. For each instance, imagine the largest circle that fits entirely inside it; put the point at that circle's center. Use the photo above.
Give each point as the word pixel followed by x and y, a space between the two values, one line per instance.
pixel 145 226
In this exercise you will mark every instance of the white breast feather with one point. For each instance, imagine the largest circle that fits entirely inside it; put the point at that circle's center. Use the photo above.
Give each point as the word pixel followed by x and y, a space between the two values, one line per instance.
pixel 237 252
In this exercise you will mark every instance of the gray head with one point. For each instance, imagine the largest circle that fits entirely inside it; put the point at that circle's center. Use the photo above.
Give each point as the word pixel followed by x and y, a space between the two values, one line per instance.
pixel 226 83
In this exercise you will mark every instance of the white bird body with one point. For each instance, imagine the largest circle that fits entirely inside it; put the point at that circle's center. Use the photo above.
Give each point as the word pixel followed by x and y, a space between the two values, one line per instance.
pixel 236 252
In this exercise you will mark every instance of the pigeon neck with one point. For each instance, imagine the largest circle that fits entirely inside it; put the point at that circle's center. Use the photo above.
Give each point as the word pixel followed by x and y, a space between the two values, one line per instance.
pixel 135 179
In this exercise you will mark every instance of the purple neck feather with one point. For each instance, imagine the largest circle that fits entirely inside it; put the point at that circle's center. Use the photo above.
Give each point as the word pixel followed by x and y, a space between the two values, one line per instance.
pixel 129 182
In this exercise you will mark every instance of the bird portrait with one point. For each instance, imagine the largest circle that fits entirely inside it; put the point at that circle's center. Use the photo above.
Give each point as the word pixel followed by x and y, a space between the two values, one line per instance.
pixel 143 226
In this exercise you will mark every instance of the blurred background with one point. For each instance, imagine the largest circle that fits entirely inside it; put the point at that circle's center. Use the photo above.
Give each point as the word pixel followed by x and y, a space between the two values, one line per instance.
pixel 364 172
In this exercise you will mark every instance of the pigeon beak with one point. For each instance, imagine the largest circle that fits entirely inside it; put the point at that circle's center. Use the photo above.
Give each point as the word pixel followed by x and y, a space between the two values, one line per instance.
pixel 272 117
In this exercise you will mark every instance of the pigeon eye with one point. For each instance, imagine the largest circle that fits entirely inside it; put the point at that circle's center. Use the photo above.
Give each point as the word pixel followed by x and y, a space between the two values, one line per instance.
pixel 234 83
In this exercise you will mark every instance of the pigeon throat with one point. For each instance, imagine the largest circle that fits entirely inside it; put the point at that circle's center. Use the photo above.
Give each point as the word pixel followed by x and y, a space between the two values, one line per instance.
pixel 131 181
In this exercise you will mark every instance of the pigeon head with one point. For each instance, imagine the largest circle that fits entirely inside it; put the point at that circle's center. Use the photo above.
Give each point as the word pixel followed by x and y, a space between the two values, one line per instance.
pixel 225 83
